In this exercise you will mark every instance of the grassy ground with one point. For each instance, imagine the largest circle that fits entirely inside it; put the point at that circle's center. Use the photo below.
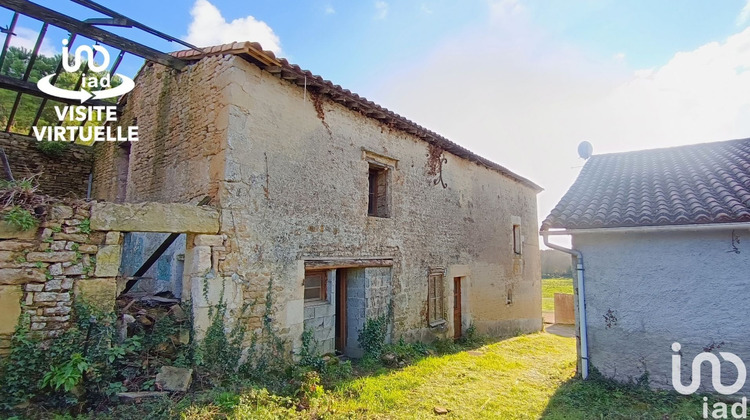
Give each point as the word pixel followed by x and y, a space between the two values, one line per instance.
pixel 552 286
pixel 525 377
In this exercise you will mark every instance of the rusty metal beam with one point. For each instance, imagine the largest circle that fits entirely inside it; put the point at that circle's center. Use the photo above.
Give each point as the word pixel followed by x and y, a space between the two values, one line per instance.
pixel 27 73
pixel 120 20
pixel 18 85
pixel 8 34
pixel 75 26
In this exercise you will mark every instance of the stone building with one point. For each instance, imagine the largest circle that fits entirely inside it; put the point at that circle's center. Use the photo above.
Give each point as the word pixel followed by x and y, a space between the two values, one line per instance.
pixel 334 208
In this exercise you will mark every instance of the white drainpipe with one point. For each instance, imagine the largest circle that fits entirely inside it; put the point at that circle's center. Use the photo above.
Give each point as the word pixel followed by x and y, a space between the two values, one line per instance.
pixel 581 304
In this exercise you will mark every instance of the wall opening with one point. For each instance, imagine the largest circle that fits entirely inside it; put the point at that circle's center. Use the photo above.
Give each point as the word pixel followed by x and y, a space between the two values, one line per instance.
pixel 517 239
pixel 457 309
pixel 122 167
pixel 164 278
pixel 435 309
pixel 377 203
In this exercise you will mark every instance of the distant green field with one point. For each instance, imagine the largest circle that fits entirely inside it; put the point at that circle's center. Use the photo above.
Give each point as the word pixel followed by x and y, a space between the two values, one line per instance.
pixel 552 286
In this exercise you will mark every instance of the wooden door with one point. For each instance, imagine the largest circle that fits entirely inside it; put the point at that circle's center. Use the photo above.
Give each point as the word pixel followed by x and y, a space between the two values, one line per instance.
pixel 457 307
pixel 340 310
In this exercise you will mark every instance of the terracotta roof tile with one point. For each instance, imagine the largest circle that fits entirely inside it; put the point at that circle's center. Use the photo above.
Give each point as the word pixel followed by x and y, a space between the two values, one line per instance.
pixel 702 183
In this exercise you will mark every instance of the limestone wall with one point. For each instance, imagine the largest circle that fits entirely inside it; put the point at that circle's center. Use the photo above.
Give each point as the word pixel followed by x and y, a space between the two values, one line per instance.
pixel 296 187
pixel 182 122
pixel 41 270
pixel 289 172
pixel 66 175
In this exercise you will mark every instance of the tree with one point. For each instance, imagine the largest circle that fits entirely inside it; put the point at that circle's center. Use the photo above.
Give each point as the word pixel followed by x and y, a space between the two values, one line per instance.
pixel 15 64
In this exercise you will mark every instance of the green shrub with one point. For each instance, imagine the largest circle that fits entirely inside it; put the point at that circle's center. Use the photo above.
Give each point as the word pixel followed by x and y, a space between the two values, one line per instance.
pixel 308 355
pixel 372 337
pixel 22 369
pixel 67 375
pixel 52 148
pixel 20 218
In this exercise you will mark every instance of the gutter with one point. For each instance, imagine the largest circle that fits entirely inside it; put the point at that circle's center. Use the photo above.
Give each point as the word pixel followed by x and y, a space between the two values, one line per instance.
pixel 582 326
pixel 662 228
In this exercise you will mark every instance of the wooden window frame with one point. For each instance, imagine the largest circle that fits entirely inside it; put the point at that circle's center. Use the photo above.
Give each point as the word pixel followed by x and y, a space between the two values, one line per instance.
pixel 436 298
pixel 323 295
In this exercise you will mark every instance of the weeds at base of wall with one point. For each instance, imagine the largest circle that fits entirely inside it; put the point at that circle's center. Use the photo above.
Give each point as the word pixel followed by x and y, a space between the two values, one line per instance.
pixel 83 370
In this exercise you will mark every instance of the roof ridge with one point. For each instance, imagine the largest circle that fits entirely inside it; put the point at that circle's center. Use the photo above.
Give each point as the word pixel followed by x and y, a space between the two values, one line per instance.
pixel 682 146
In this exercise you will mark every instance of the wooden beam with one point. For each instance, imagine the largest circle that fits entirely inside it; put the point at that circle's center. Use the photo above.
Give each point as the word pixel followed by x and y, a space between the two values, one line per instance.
pixel 347 263
pixel 29 88
pixel 75 26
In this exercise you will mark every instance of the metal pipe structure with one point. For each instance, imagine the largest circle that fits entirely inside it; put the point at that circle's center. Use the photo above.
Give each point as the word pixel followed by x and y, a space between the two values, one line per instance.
pixel 582 326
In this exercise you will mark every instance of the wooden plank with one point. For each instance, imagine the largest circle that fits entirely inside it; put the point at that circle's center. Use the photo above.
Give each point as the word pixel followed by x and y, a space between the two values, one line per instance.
pixel 347 263
pixel 340 311
pixel 457 329
pixel 75 26
pixel 564 309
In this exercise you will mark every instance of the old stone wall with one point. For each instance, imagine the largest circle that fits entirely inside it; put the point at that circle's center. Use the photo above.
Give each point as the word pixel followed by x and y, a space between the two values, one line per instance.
pixel 43 269
pixel 290 174
pixel 63 176
pixel 296 187
pixel 182 123
pixel 646 291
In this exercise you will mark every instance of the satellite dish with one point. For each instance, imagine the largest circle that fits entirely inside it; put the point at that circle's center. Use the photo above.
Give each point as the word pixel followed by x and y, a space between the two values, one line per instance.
pixel 585 149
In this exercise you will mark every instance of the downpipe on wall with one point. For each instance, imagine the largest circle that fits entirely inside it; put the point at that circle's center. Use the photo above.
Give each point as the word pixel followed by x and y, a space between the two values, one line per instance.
pixel 581 303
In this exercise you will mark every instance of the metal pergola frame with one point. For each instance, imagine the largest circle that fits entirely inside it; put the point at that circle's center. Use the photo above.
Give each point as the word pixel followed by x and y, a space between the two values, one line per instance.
pixel 88 28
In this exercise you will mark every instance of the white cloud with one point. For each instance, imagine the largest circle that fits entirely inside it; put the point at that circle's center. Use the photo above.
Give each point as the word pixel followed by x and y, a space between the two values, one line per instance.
pixel 619 56
pixel 26 38
pixel 524 100
pixel 329 10
pixel 381 9
pixel 744 14
pixel 425 8
pixel 503 9
pixel 209 27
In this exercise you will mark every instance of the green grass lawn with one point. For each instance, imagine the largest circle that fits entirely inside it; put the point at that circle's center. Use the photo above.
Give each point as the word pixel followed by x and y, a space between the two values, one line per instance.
pixel 552 286
pixel 525 377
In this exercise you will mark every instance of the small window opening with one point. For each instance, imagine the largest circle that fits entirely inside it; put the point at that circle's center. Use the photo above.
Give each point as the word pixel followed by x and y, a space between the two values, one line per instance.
pixel 509 298
pixel 377 201
pixel 315 286
pixel 517 239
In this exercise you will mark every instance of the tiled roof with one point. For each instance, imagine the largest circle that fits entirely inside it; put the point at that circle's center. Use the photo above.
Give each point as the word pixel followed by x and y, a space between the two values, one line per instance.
pixel 702 183
pixel 266 60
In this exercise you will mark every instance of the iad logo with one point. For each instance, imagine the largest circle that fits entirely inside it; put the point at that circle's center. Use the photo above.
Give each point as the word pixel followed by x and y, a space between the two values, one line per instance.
pixel 92 86
pixel 720 409
pixel 87 82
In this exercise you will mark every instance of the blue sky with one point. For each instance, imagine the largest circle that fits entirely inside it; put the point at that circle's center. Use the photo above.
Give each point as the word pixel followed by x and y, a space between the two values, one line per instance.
pixel 521 82
pixel 350 42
